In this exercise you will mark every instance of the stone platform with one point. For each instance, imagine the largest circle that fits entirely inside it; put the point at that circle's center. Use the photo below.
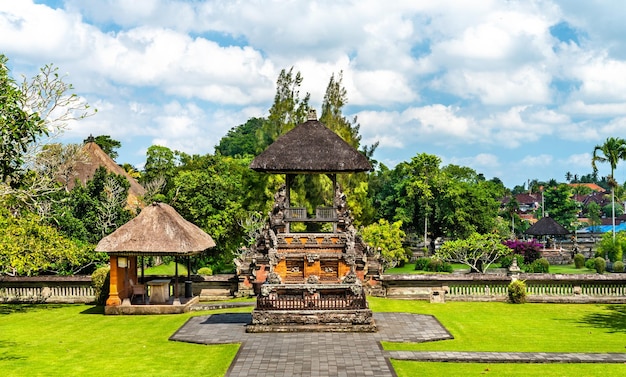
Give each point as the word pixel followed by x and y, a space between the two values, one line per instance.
pixel 356 320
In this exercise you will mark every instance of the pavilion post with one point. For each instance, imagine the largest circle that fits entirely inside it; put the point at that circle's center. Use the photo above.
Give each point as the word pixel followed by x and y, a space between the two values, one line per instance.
pixel 176 277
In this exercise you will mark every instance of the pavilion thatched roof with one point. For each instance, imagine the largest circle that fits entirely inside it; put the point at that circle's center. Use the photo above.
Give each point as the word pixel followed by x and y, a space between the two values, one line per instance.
pixel 95 158
pixel 157 230
pixel 547 226
pixel 310 148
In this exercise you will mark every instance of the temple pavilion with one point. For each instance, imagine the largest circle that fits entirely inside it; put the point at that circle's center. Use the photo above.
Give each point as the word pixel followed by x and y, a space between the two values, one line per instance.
pixel 309 280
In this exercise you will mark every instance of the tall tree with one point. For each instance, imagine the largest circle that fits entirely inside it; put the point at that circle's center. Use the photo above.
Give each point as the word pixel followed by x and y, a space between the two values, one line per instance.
pixel 560 205
pixel 287 111
pixel 354 185
pixel 108 145
pixel 159 171
pixel 241 140
pixel 612 151
pixel 18 127
pixel 31 114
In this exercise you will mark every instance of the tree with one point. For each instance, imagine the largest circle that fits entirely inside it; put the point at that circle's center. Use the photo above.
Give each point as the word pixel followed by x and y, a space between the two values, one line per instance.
pixel 612 151
pixel 212 192
pixel 159 171
pixel 355 186
pixel 18 127
pixel 560 205
pixel 386 238
pixel 94 210
pixel 287 111
pixel 108 145
pixel 452 201
pixel 593 213
pixel 32 114
pixel 478 251
pixel 241 140
pixel 612 248
pixel 30 247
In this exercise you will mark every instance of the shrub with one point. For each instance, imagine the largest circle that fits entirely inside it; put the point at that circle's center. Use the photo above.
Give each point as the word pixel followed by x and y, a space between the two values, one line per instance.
pixel 205 271
pixel 618 266
pixel 541 265
pixel 421 264
pixel 612 248
pixel 531 250
pixel 590 264
pixel 100 279
pixel 517 292
pixel 579 261
pixel 599 265
pixel 507 261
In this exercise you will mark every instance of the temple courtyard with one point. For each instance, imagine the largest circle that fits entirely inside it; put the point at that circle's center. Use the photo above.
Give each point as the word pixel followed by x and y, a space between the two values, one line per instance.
pixel 349 354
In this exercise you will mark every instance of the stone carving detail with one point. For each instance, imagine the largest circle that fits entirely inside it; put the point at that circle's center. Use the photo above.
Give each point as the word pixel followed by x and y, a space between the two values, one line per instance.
pixel 356 289
pixel 311 258
pixel 344 216
pixel 350 279
pixel 313 279
pixel 350 259
pixel 280 203
pixel 266 290
pixel 273 278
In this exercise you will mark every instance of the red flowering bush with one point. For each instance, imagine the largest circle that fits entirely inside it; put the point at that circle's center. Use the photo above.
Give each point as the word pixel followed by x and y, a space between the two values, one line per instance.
pixel 531 250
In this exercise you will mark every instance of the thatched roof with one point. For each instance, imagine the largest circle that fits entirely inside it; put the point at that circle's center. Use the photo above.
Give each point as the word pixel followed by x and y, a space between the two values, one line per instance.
pixel 95 157
pixel 157 230
pixel 310 148
pixel 547 226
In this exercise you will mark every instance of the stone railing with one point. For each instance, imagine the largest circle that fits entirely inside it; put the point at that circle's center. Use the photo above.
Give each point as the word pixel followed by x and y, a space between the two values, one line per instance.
pixel 607 288
pixel 46 289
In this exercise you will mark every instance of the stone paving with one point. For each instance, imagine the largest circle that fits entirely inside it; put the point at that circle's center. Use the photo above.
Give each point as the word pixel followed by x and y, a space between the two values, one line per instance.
pixel 347 354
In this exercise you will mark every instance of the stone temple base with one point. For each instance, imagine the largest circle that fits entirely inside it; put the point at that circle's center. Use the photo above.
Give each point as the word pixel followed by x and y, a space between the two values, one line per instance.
pixel 345 320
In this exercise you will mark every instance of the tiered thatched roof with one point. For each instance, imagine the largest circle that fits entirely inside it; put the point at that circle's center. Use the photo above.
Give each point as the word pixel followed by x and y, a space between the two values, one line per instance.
pixel 157 230
pixel 546 226
pixel 308 149
pixel 95 157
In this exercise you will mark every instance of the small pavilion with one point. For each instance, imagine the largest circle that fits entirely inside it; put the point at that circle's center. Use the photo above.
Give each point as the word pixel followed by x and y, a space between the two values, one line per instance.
pixel 311 280
pixel 158 230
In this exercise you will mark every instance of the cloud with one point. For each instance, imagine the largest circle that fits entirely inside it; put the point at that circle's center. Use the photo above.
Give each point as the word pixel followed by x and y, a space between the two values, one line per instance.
pixel 541 160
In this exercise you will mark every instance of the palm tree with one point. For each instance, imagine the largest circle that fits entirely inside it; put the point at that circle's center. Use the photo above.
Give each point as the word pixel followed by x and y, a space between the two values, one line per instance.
pixel 612 151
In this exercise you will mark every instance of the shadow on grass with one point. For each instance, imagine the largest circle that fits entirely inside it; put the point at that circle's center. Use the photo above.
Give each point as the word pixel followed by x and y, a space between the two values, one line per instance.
pixel 94 310
pixel 614 320
pixel 7 356
pixel 24 308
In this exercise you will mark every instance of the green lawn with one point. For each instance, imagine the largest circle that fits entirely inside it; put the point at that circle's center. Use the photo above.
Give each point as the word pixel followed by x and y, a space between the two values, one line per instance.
pixel 77 340
pixel 43 340
pixel 501 327
pixel 166 269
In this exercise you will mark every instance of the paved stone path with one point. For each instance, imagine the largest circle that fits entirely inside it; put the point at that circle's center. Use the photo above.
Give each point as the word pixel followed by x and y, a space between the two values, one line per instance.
pixel 508 357
pixel 346 354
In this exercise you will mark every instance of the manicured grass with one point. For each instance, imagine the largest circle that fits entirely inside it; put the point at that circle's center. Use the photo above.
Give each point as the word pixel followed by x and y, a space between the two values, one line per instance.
pixel 501 327
pixel 498 326
pixel 77 340
pixel 569 269
pixel 43 340
pixel 166 269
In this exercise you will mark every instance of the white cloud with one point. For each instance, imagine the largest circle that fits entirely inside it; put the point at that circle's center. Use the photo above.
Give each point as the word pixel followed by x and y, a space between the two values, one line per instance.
pixel 440 76
pixel 541 160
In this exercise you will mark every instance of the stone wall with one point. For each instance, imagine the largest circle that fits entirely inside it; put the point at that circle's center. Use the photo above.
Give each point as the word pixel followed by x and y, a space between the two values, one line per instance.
pixel 48 289
pixel 583 288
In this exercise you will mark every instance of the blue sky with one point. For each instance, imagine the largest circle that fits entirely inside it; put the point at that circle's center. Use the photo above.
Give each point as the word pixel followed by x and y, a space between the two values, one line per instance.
pixel 517 90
